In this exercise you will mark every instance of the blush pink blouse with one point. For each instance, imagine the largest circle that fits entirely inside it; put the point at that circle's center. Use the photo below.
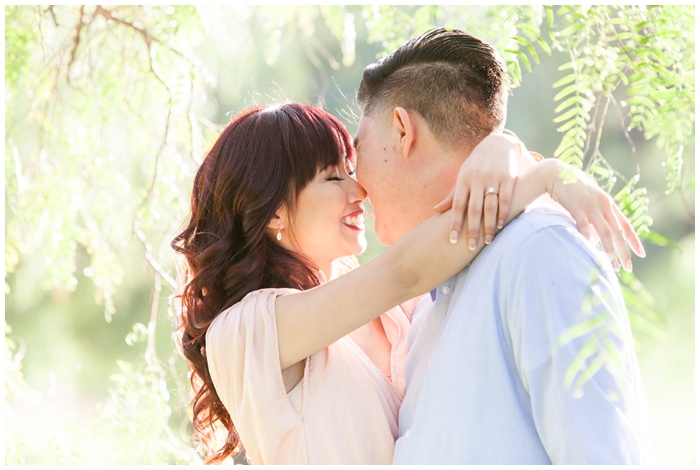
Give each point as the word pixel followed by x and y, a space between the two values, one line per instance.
pixel 343 411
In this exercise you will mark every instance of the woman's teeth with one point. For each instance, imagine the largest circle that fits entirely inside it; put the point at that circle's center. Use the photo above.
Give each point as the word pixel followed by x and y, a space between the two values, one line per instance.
pixel 355 220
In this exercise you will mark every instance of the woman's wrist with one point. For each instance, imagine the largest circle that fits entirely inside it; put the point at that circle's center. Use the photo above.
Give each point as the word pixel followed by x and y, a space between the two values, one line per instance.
pixel 550 175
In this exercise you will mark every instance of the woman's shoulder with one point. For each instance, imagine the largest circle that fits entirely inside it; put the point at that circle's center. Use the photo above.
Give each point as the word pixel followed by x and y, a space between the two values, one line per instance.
pixel 264 294
pixel 255 306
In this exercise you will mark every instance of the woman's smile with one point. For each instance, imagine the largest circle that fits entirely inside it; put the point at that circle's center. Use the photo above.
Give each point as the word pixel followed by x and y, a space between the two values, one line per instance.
pixel 354 220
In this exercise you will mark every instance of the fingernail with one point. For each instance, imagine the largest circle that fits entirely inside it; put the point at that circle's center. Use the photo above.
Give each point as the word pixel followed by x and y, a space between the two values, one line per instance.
pixel 642 253
pixel 454 236
pixel 500 223
pixel 616 266
pixel 472 244
pixel 628 265
pixel 488 239
pixel 435 209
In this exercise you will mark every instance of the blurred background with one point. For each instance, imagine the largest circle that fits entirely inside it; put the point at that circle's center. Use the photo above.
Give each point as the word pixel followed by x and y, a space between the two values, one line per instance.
pixel 108 111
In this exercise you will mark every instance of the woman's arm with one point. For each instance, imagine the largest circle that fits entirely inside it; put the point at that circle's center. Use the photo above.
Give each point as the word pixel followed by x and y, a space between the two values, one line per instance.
pixel 495 163
pixel 310 320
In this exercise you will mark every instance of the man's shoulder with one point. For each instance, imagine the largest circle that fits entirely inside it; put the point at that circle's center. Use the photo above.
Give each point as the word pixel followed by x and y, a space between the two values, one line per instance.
pixel 535 218
pixel 542 234
pixel 538 224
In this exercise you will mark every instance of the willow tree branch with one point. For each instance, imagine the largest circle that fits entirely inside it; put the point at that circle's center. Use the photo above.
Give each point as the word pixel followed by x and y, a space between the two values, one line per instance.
pixel 599 134
pixel 148 251
pixel 109 15
pixel 76 42
pixel 310 53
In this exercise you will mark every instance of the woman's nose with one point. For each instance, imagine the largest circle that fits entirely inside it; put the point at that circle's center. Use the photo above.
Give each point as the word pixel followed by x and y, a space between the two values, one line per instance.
pixel 356 193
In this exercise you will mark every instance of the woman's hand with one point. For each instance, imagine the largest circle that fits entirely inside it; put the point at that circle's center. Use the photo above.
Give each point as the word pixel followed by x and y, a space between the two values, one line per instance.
pixel 484 186
pixel 597 216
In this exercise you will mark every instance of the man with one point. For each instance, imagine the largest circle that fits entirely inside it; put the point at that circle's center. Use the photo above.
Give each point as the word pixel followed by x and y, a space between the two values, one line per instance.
pixel 526 356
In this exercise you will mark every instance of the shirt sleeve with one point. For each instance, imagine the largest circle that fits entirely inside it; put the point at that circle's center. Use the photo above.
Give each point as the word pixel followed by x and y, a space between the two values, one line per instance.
pixel 243 357
pixel 574 351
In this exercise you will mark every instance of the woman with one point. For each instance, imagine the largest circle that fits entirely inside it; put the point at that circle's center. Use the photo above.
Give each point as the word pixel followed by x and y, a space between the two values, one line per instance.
pixel 297 363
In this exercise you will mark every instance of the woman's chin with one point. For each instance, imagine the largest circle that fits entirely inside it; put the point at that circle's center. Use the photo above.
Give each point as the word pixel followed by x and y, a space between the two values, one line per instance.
pixel 360 245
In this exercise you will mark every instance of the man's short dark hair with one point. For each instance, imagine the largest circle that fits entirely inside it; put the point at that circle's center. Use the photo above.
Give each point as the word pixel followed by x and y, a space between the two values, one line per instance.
pixel 456 81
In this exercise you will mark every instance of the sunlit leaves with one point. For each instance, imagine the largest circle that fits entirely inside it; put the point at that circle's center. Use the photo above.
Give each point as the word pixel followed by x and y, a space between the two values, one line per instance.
pixel 645 315
pixel 594 338
pixel 634 203
pixel 391 26
pixel 16 392
pixel 80 175
pixel 341 24
pixel 100 138
pixel 643 49
pixel 524 33
pixel 137 418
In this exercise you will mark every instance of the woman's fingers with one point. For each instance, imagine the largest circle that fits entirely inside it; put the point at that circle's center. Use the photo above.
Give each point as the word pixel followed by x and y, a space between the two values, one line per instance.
pixel 613 231
pixel 474 212
pixel 584 227
pixel 606 238
pixel 628 232
pixel 491 210
pixel 505 197
pixel 462 196
pixel 623 253
pixel 445 204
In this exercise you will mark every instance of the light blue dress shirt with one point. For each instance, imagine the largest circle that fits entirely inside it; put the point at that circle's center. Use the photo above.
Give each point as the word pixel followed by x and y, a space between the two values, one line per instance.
pixel 489 372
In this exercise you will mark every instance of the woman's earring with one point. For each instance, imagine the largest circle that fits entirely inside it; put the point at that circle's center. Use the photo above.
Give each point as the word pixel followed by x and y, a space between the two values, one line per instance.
pixel 279 235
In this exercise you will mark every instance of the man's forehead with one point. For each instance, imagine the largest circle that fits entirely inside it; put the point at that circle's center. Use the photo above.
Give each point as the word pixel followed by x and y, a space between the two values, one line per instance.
pixel 360 132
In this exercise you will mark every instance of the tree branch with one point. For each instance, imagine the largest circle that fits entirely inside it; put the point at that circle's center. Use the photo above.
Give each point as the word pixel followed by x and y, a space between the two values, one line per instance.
pixel 599 135
pixel 151 259
pixel 110 16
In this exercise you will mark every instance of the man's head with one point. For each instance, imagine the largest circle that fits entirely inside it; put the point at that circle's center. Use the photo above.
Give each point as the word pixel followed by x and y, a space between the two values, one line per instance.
pixel 424 108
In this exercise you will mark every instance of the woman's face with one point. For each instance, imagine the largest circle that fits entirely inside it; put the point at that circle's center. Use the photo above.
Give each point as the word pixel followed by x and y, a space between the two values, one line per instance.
pixel 328 222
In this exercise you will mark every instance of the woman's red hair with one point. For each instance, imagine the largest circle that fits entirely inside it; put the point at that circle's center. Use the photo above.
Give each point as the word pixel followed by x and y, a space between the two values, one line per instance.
pixel 260 162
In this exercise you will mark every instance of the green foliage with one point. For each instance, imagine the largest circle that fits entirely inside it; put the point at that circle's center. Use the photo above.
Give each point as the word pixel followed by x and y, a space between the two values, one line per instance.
pixel 137 418
pixel 524 23
pixel 16 393
pixel 71 180
pixel 645 51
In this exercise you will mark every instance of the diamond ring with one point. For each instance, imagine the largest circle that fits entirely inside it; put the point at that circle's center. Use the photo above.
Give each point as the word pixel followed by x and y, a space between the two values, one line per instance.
pixel 490 190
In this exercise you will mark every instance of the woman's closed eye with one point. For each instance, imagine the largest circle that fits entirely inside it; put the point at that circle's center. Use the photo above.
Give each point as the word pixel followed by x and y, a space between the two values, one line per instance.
pixel 333 174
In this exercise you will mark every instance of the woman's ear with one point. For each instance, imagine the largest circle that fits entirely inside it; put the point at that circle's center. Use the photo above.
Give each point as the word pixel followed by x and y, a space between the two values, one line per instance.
pixel 278 221
pixel 276 225
pixel 406 128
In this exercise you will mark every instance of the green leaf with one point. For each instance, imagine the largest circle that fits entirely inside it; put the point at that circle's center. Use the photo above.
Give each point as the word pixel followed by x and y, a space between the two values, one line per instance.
pixel 533 53
pixel 526 62
pixel 521 40
pixel 575 111
pixel 566 92
pixel 574 122
pixel 543 44
pixel 563 81
pixel 573 100
pixel 660 240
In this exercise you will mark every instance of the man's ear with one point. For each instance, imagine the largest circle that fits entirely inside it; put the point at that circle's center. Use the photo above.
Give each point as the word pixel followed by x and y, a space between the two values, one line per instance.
pixel 406 128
